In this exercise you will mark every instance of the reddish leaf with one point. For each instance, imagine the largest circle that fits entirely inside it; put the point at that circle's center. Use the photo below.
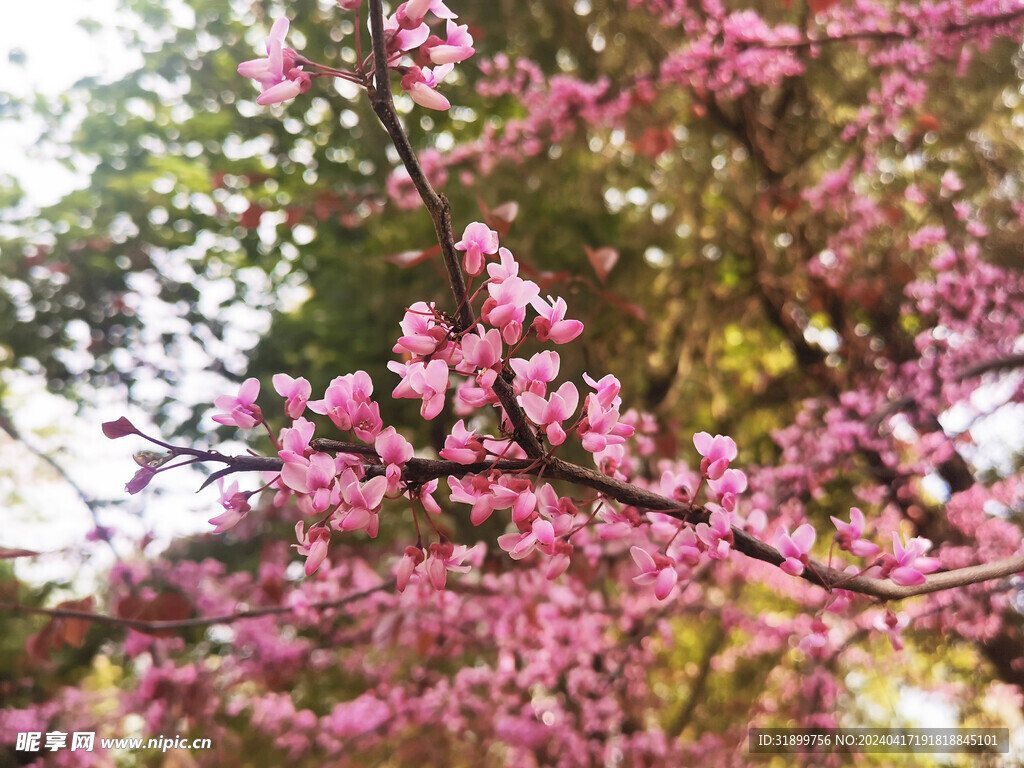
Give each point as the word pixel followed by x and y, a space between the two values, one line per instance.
pixel 628 307
pixel 820 6
pixel 501 218
pixel 654 141
pixel 407 259
pixel 602 260
pixel 250 219
pixel 547 279
pixel 293 216
pixel 10 554
pixel 119 428
pixel 140 480
pixel 166 606
pixel 61 631
pixel 326 204
pixel 927 122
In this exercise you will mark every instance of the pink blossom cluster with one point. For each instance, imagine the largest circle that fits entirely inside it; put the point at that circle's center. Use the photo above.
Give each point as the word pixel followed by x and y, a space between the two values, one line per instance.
pixel 282 77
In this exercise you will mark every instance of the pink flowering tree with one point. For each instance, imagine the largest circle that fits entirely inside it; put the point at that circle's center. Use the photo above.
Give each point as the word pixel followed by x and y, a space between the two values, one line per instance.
pixel 579 568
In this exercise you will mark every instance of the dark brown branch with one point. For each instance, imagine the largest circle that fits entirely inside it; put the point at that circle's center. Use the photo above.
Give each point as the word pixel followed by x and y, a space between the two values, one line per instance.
pixel 423 470
pixel 441 214
pixel 1007 363
pixel 437 205
pixel 141 625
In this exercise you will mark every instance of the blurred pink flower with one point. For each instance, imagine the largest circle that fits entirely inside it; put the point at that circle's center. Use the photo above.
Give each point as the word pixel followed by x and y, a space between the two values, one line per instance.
pixel 241 410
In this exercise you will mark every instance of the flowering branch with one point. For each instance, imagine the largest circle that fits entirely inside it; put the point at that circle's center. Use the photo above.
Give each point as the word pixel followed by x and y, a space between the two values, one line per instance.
pixel 911 32
pixel 419 471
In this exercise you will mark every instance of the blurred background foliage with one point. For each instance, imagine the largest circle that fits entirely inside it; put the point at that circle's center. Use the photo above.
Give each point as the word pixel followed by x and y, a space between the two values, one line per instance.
pixel 202 202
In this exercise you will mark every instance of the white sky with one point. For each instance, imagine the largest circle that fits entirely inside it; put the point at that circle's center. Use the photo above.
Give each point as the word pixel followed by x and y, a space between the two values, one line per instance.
pixel 57 53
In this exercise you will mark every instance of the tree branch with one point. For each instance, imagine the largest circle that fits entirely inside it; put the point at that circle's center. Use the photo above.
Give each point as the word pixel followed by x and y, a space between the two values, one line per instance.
pixel 890 35
pixel 418 470
pixel 141 625
pixel 1007 363
pixel 440 212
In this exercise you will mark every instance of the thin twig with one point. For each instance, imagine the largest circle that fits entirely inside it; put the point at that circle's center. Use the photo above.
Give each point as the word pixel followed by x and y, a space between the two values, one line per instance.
pixel 93 505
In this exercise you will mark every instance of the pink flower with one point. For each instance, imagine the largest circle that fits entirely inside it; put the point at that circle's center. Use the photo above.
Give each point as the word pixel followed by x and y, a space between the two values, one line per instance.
pixel 616 523
pixel 444 557
pixel 419 83
pixel 404 35
pixel 235 506
pixel 795 548
pixel 506 306
pixel 607 390
pixel 717 451
pixel 537 372
pixel 394 450
pixel 907 565
pixel 295 439
pixel 428 381
pixel 551 323
pixel 360 502
pixel 312 545
pixel 241 410
pixel 517 493
pixel 686 548
pixel 422 334
pixel 425 495
pixel 506 267
pixel 347 403
pixel 477 240
pixel 313 477
pixel 718 536
pixel 657 569
pixel 279 78
pixel 474 490
pixel 457 47
pixel 549 414
pixel 295 391
pixel 727 487
pixel 951 181
pixel 893 625
pixel 482 350
pixel 410 561
pixel 560 560
pixel 520 545
pixel 601 426
pixel 849 535
pixel 412 13
pixel 463 446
